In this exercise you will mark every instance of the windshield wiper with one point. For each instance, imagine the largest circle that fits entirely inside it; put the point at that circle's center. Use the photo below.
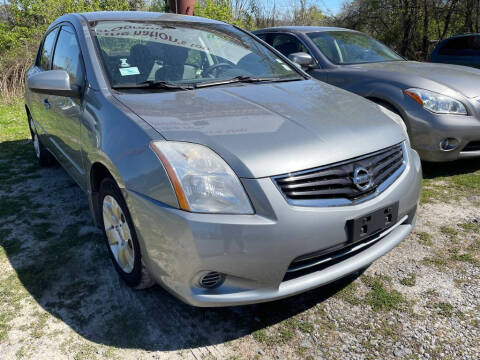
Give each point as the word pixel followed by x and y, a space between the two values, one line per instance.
pixel 166 85
pixel 245 79
pixel 153 84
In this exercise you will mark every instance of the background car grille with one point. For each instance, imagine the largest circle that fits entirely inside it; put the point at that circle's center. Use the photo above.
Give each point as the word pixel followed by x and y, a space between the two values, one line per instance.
pixel 336 181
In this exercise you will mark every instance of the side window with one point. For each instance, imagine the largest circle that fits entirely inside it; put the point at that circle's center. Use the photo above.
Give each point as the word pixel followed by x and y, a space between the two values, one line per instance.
pixel 45 56
pixel 67 56
pixel 461 46
pixel 286 44
pixel 454 47
pixel 262 36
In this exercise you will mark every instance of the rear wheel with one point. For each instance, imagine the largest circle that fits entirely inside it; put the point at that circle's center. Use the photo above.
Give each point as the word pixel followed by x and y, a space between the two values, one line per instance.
pixel 121 238
pixel 43 155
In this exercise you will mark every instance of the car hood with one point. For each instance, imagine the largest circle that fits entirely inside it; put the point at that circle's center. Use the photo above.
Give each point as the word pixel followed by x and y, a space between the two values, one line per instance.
pixel 270 129
pixel 462 79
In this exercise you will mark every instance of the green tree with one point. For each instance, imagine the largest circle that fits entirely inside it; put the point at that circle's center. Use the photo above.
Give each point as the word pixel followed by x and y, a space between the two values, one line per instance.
pixel 216 9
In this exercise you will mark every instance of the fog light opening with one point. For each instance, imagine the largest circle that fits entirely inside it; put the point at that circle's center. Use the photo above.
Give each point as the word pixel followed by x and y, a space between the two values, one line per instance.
pixel 449 144
pixel 211 280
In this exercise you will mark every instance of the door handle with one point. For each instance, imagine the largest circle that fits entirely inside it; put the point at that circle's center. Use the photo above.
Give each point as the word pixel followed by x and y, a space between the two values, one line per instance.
pixel 46 103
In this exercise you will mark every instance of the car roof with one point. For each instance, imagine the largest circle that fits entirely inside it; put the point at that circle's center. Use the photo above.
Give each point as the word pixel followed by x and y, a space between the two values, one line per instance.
pixel 139 16
pixel 303 29
pixel 463 35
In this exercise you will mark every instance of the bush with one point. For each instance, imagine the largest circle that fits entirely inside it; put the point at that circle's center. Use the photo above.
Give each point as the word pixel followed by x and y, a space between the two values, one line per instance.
pixel 24 24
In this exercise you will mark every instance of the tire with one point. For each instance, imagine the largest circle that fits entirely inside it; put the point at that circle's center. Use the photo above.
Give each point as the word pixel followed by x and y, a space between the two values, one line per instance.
pixel 120 237
pixel 43 156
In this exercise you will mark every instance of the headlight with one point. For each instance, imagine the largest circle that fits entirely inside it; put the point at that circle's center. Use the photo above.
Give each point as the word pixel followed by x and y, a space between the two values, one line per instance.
pixel 436 103
pixel 202 180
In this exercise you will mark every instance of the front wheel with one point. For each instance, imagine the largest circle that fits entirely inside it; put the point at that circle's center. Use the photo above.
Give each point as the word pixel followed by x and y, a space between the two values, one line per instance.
pixel 43 155
pixel 121 238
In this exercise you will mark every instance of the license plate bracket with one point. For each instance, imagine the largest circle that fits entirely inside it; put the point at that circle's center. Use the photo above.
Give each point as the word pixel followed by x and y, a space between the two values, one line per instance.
pixel 372 223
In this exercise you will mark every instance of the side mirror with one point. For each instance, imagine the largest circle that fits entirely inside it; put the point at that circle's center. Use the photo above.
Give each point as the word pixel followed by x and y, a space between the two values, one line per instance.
pixel 301 58
pixel 53 82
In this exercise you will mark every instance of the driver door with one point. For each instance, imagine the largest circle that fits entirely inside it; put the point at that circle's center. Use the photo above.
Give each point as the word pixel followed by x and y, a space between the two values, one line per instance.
pixel 65 124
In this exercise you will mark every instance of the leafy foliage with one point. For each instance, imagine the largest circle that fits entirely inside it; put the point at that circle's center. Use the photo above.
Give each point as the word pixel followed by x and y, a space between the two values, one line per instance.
pixel 412 27
pixel 24 23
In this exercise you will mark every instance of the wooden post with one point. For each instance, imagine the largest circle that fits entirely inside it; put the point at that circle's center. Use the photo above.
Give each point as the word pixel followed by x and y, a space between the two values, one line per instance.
pixel 184 7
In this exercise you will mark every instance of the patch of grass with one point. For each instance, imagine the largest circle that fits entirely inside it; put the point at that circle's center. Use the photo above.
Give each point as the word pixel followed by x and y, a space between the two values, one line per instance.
pixel 42 231
pixel 11 206
pixel 8 246
pixel 21 353
pixel 409 280
pixel 39 325
pixel 431 192
pixel 12 293
pixel 425 238
pixel 471 227
pixel 4 326
pixel 306 327
pixel 301 351
pixel 348 294
pixel 463 257
pixel 449 231
pixel 432 293
pixel 475 246
pixel 467 182
pixel 282 335
pixel 444 309
pixel 260 336
pixel 13 121
pixel 55 255
pixel 129 328
pixel 382 299
pixel 85 352
pixel 295 323
pixel 437 260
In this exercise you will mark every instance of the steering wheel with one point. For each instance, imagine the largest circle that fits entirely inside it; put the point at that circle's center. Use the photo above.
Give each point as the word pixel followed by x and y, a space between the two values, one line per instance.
pixel 209 70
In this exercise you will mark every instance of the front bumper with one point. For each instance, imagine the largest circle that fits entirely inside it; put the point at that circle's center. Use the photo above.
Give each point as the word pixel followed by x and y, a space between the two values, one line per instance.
pixel 255 251
pixel 427 130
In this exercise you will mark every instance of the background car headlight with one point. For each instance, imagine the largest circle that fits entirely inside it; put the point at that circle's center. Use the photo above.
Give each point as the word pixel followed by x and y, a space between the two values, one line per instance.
pixel 202 180
pixel 436 103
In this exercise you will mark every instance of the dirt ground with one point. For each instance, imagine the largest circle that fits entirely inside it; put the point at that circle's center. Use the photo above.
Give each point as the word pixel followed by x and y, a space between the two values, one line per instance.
pixel 60 297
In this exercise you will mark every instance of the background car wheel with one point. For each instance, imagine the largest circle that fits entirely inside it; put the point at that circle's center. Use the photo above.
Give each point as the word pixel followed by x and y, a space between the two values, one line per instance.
pixel 121 238
pixel 43 155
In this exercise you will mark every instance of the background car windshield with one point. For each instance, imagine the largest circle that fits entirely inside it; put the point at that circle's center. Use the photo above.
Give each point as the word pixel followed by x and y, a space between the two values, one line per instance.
pixel 345 47
pixel 135 52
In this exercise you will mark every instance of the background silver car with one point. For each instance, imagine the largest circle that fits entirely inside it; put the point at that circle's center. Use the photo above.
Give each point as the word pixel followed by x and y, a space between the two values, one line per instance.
pixel 215 166
pixel 439 103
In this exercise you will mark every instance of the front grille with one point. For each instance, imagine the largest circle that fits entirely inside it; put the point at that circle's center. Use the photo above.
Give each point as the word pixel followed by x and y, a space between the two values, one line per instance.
pixel 336 181
pixel 472 146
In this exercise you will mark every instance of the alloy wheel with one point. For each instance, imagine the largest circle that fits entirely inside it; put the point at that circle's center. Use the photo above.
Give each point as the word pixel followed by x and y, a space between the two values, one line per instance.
pixel 118 234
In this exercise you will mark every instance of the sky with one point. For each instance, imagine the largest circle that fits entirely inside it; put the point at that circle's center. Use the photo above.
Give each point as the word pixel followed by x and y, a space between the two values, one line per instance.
pixel 329 7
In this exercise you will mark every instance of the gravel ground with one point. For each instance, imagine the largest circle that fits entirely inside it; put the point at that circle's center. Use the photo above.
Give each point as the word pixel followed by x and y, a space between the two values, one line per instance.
pixel 60 297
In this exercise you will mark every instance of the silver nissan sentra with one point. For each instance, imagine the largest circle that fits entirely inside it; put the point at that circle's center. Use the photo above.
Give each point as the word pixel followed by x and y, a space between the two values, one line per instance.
pixel 216 167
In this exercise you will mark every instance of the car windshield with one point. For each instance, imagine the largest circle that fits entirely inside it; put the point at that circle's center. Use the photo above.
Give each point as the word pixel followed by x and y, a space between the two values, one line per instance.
pixel 171 53
pixel 347 47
